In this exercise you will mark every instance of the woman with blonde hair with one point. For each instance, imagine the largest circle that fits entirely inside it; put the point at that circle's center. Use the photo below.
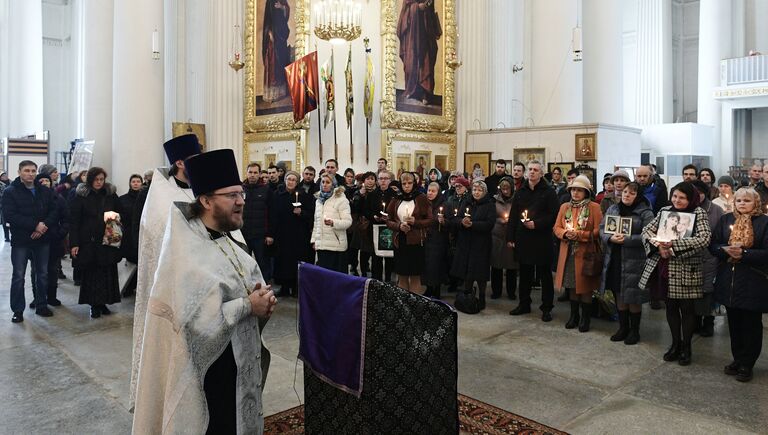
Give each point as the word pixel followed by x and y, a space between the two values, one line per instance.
pixel 740 242
pixel 577 227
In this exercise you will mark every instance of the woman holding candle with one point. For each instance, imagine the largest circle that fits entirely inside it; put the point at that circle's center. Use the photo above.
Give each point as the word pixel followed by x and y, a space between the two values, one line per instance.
pixel 436 244
pixel 503 257
pixel 362 221
pixel 577 227
pixel 625 260
pixel 409 216
pixel 673 269
pixel 725 198
pixel 740 242
pixel 291 212
pixel 332 218
pixel 473 224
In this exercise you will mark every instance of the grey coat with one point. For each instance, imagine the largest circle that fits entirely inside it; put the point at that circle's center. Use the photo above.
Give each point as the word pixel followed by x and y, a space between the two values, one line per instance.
pixel 502 257
pixel 632 255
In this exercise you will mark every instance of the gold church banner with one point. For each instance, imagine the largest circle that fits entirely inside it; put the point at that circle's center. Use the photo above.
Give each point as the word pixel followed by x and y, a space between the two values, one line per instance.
pixel 276 34
pixel 419 39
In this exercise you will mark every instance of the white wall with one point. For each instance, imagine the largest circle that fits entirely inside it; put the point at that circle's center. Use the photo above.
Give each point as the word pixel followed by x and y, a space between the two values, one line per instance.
pixel 685 54
pixel 58 69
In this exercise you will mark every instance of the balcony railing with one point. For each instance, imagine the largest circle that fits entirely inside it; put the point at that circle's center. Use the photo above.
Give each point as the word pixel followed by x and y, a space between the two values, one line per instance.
pixel 743 70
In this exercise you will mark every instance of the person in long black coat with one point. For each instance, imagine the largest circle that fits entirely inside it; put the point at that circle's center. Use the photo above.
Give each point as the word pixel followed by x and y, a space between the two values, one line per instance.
pixel 292 229
pixel 473 224
pixel 56 235
pixel 534 210
pixel 95 201
pixel 740 243
pixel 130 244
pixel 436 244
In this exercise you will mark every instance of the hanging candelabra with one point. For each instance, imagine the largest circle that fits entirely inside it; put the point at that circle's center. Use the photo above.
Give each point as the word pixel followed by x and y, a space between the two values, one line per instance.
pixel 236 60
pixel 338 21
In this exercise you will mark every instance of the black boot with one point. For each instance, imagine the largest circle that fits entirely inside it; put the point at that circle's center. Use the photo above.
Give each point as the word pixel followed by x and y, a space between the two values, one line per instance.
pixel 481 297
pixel 634 328
pixel 685 354
pixel 623 331
pixel 586 309
pixel 573 321
pixel 707 327
pixel 673 353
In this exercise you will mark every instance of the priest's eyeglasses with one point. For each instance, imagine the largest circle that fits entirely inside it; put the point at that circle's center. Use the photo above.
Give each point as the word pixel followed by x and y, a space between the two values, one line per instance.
pixel 230 195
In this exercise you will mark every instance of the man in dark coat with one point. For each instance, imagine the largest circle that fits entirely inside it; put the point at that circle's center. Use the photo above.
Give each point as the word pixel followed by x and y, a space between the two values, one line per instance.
pixel 256 217
pixel 30 210
pixel 308 184
pixel 493 181
pixel 56 235
pixel 529 232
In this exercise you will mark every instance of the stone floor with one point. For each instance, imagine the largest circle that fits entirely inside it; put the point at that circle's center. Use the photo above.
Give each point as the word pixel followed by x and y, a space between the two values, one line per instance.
pixel 70 373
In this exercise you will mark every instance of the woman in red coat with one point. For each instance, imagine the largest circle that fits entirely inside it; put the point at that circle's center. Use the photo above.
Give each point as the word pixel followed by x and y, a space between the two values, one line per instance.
pixel 577 226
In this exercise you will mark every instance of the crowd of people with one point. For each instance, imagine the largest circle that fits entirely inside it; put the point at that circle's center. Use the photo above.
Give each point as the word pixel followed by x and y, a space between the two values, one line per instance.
pixel 690 249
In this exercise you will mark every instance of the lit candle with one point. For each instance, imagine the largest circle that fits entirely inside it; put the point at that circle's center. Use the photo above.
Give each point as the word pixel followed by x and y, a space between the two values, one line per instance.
pixel 455 212
pixel 440 213
pixel 467 213
pixel 731 227
pixel 525 216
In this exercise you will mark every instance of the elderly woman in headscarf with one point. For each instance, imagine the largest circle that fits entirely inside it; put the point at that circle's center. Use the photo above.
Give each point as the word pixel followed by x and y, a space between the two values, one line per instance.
pixel 674 269
pixel 473 223
pixel 740 243
pixel 437 244
pixel 502 256
pixel 332 218
pixel 577 226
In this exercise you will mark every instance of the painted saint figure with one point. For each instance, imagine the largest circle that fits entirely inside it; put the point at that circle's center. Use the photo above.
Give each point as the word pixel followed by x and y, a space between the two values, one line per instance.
pixel 275 51
pixel 418 29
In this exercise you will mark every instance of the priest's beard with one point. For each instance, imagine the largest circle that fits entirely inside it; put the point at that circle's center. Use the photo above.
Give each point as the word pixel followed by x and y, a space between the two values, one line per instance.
pixel 227 218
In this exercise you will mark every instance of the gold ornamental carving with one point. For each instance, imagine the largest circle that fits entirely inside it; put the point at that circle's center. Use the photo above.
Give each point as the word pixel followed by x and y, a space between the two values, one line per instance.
pixel 297 136
pixel 390 117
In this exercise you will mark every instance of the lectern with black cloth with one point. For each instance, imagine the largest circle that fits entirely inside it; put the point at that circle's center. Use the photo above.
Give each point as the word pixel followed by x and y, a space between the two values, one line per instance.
pixel 377 359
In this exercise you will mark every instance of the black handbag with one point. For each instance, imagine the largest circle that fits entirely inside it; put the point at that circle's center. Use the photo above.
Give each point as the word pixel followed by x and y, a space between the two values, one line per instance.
pixel 592 260
pixel 467 302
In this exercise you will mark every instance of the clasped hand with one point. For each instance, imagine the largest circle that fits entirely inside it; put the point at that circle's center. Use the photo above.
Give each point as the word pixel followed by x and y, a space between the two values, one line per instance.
pixel 263 301
pixel 40 229
pixel 734 252
pixel 404 227
pixel 111 216
pixel 617 239
pixel 571 235
pixel 466 222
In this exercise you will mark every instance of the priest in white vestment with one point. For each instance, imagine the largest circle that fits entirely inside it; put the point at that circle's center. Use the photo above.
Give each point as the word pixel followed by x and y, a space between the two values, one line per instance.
pixel 168 185
pixel 201 365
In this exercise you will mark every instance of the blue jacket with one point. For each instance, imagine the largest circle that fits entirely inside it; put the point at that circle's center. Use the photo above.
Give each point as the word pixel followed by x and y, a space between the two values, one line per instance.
pixel 24 210
pixel 743 284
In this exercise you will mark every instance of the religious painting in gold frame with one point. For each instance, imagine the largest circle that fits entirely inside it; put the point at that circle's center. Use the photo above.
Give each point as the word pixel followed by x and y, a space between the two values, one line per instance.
pixel 399 141
pixel 441 163
pixel 586 147
pixel 482 159
pixel 260 147
pixel 182 128
pixel 267 104
pixel 422 162
pixel 525 155
pixel 419 95
pixel 402 164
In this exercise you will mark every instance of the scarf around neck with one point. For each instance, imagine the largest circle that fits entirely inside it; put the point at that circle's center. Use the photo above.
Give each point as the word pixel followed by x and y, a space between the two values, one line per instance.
pixel 323 196
pixel 742 231
pixel 583 216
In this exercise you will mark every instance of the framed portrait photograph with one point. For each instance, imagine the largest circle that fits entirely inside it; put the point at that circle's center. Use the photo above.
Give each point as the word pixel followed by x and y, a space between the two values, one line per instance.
pixel 526 155
pixel 474 162
pixel 422 163
pixel 276 34
pixel 564 167
pixel 402 164
pixel 674 225
pixel 586 147
pixel 612 224
pixel 419 40
pixel 625 226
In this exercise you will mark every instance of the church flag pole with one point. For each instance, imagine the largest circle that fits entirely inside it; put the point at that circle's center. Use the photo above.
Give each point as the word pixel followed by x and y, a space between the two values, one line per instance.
pixel 319 125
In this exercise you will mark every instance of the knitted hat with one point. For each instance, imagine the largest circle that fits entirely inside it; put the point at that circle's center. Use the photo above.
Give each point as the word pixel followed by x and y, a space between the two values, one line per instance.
pixel 41 175
pixel 620 173
pixel 211 171
pixel 46 169
pixel 726 179
pixel 581 182
pixel 461 180
pixel 180 148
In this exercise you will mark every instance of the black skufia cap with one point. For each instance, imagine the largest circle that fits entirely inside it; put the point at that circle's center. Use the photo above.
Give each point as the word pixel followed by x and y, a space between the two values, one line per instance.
pixel 212 171
pixel 181 147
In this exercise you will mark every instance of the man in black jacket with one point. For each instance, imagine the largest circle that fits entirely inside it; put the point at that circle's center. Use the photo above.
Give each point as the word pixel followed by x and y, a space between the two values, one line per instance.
pixel 255 218
pixel 308 184
pixel 529 232
pixel 493 181
pixel 30 210
pixel 56 235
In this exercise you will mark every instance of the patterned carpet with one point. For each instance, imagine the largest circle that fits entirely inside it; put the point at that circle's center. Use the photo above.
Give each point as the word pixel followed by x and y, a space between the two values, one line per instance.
pixel 476 417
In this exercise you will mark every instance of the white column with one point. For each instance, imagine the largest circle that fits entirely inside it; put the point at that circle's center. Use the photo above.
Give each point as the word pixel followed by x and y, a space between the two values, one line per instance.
pixel 137 115
pixel 603 87
pixel 23 97
pixel 714 45
pixel 473 84
pixel 507 33
pixel 224 97
pixel 554 79
pixel 92 46
pixel 653 90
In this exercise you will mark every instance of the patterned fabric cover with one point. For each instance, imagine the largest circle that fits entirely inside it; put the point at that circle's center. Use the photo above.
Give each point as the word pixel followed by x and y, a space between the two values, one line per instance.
pixel 410 372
